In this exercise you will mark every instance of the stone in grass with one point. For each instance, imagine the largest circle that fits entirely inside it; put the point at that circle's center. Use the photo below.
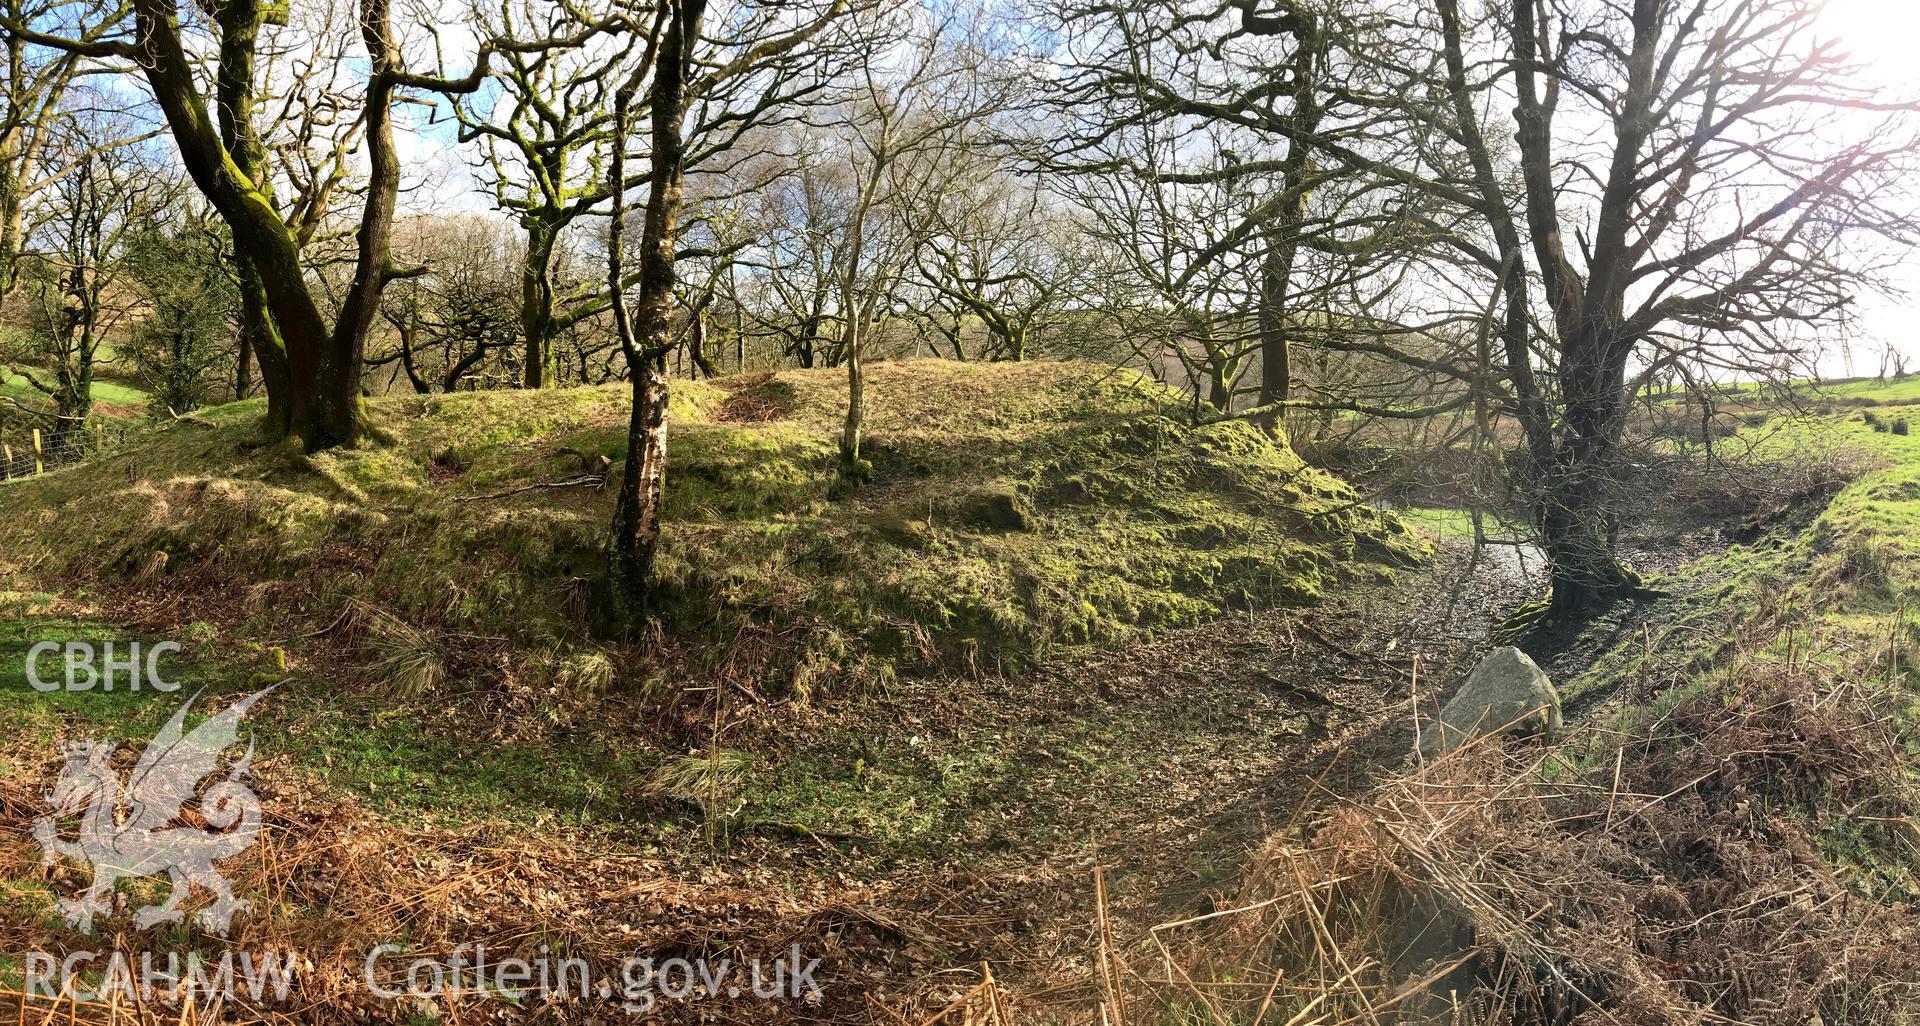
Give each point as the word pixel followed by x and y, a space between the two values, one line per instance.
pixel 994 506
pixel 1506 692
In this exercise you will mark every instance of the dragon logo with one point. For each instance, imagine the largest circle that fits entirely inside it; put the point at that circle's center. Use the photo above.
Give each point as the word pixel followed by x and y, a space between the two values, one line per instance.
pixel 135 831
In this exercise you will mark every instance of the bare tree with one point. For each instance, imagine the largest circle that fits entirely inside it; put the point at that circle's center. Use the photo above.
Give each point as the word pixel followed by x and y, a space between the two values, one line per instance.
pixel 459 319
pixel 1182 278
pixel 998 250
pixel 1688 185
pixel 703 93
pixel 544 134
pixel 1696 182
pixel 798 217
pixel 1238 130
pixel 35 89
pixel 904 127
pixel 311 362
pixel 75 281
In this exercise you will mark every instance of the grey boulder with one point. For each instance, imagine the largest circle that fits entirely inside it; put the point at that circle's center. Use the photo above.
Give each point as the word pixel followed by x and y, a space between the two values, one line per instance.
pixel 1507 692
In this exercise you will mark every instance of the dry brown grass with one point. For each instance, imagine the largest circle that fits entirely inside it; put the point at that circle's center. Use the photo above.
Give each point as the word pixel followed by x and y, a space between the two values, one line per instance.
pixel 1674 874
pixel 1740 857
pixel 330 881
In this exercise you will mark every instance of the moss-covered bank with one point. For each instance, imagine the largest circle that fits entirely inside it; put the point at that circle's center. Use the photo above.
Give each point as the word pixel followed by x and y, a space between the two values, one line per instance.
pixel 1016 510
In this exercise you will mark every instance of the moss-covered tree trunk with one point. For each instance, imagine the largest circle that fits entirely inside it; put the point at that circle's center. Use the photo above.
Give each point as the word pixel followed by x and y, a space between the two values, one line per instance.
pixel 236 96
pixel 12 202
pixel 537 325
pixel 697 343
pixel 243 366
pixel 261 336
pixel 35 91
pixel 12 209
pixel 78 342
pixel 311 368
pixel 336 415
pixel 1219 388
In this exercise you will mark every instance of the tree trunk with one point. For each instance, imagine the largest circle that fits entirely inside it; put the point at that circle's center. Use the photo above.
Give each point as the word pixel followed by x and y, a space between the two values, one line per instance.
pixel 853 469
pixel 243 368
pixel 1580 496
pixel 739 328
pixel 1276 356
pixel 261 337
pixel 536 303
pixel 17 161
pixel 240 25
pixel 1561 474
pixel 636 519
pixel 1577 500
pixel 1283 235
pixel 321 386
pixel 336 416
pixel 645 336
pixel 697 344
pixel 1219 394
pixel 407 331
pixel 1583 571
pixel 73 376
pixel 805 346
pixel 12 208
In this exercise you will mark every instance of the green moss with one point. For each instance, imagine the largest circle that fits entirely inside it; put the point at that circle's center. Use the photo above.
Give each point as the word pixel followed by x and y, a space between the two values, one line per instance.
pixel 1015 511
pixel 356 744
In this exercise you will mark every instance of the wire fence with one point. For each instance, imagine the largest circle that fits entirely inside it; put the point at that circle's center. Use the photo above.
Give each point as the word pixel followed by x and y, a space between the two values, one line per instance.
pixel 39 452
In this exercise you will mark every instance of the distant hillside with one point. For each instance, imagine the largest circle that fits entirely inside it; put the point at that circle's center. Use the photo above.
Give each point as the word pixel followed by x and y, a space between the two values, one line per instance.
pixel 1016 510
pixel 110 398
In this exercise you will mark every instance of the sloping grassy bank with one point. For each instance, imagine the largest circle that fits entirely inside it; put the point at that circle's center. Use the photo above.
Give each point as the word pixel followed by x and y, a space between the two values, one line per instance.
pixel 1017 510
pixel 1731 838
pixel 1837 576
pixel 428 595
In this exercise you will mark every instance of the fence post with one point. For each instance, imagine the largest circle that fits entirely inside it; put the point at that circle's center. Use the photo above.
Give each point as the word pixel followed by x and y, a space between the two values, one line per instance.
pixel 39 456
pixel 7 452
pixel 99 437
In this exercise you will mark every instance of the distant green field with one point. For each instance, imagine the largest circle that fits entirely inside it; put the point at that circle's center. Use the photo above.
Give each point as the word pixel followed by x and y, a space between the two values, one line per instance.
pixel 17 387
pixel 1893 391
pixel 1906 390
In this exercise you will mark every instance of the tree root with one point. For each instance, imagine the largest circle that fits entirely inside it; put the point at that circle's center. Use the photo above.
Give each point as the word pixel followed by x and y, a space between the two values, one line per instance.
pixel 1541 613
pixel 1524 621
pixel 848 478
pixel 596 480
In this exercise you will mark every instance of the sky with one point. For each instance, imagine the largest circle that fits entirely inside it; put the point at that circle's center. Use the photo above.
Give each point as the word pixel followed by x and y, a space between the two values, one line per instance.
pixel 1884 35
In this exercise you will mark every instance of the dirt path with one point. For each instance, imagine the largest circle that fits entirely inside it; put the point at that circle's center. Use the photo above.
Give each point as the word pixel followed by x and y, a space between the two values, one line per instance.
pixel 1231 728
